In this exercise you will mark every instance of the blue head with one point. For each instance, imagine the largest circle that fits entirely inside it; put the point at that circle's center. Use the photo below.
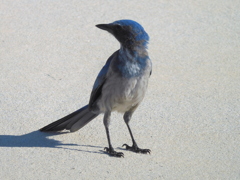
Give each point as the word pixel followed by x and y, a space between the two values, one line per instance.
pixel 128 32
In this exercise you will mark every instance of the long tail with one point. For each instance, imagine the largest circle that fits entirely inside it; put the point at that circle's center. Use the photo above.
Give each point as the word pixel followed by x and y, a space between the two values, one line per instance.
pixel 73 121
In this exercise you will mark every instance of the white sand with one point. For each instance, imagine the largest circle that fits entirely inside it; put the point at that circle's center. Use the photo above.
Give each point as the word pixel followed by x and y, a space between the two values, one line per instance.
pixel 50 54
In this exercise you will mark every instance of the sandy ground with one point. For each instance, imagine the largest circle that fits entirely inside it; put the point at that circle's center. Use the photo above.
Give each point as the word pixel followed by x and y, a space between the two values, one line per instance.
pixel 50 54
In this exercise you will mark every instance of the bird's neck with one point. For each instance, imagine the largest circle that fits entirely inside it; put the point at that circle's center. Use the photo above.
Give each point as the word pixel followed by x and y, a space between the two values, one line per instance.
pixel 131 63
pixel 134 53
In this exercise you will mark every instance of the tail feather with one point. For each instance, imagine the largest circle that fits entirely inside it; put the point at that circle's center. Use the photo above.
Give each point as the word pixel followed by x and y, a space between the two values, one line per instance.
pixel 79 124
pixel 73 121
pixel 78 116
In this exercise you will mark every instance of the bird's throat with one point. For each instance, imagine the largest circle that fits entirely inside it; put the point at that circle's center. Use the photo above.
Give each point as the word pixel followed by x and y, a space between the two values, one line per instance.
pixel 131 63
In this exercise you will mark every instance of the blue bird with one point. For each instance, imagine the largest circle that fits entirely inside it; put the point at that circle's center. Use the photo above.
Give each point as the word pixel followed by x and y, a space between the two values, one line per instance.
pixel 120 85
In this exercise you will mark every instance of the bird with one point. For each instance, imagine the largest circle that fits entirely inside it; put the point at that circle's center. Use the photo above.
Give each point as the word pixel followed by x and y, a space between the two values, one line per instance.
pixel 120 85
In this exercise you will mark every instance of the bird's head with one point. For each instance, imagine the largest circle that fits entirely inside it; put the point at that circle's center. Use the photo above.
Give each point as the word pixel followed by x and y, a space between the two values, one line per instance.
pixel 128 32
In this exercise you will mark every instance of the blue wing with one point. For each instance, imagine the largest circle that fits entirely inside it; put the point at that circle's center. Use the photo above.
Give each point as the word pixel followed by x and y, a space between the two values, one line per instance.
pixel 99 82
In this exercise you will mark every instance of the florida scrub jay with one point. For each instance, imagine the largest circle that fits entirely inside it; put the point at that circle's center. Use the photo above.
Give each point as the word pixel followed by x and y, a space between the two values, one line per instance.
pixel 120 85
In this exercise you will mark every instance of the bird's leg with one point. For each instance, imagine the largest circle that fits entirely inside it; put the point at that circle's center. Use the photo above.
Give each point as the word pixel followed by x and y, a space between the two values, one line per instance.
pixel 127 116
pixel 110 149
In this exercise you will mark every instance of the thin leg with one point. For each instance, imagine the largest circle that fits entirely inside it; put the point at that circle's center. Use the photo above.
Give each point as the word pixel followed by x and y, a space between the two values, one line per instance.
pixel 110 149
pixel 127 116
pixel 133 140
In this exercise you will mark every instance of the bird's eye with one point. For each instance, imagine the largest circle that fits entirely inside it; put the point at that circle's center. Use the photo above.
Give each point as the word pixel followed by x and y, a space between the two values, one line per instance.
pixel 118 27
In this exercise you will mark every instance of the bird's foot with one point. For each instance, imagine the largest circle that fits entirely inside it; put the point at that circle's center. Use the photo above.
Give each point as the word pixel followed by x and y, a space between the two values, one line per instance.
pixel 136 149
pixel 113 153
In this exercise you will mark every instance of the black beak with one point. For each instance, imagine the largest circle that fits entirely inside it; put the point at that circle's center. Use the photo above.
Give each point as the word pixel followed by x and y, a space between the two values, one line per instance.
pixel 106 27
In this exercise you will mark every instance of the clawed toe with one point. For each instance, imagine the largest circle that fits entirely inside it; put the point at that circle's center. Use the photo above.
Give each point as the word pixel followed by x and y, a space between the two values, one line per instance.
pixel 113 153
pixel 136 149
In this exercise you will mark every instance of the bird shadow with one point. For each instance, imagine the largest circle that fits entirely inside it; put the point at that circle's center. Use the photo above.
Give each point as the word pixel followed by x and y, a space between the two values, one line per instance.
pixel 40 139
